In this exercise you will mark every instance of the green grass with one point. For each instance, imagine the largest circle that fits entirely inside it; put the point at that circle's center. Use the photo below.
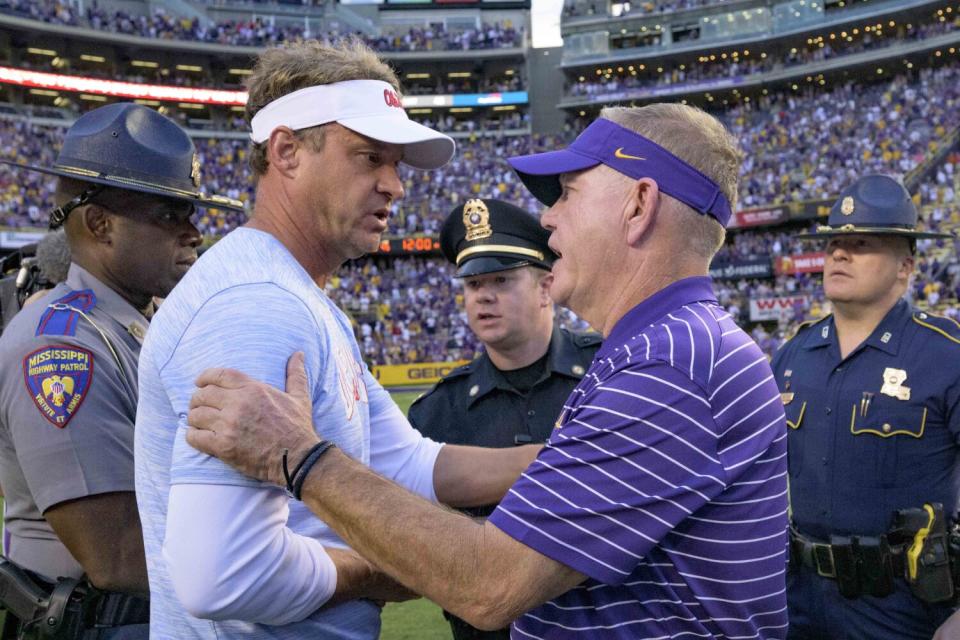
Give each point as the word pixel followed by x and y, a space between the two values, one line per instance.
pixel 417 619
pixel 414 620
pixel 404 399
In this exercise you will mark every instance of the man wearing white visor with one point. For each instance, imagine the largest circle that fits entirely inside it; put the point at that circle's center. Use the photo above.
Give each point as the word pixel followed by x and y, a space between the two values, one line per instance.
pixel 229 556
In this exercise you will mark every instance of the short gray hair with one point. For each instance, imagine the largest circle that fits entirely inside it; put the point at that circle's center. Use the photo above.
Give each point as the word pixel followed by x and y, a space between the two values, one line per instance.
pixel 701 141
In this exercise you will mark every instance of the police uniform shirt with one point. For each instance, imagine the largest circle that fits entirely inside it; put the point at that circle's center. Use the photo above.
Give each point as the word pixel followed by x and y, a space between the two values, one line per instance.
pixel 476 405
pixel 68 400
pixel 875 432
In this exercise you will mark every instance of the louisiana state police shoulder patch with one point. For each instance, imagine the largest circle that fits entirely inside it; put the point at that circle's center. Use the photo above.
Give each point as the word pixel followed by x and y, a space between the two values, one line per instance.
pixel 57 378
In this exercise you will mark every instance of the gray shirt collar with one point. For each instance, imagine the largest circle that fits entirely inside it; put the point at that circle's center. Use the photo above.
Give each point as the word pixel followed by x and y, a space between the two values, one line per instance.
pixel 109 301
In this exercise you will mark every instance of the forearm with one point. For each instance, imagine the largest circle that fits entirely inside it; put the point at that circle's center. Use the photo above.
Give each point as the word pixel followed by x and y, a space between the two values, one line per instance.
pixel 112 556
pixel 433 551
pixel 478 476
pixel 127 571
pixel 230 556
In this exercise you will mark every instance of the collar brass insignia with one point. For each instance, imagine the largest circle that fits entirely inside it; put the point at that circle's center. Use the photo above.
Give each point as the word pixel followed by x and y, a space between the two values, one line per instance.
pixel 847 206
pixel 195 171
pixel 476 218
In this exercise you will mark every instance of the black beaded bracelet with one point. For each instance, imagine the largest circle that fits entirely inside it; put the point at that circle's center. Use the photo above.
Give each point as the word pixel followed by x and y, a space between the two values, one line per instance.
pixel 295 485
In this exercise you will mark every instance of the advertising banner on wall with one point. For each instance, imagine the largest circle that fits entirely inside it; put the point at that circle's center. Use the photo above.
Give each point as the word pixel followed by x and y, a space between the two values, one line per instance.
pixel 739 269
pixel 423 374
pixel 777 307
pixel 800 263
pixel 760 217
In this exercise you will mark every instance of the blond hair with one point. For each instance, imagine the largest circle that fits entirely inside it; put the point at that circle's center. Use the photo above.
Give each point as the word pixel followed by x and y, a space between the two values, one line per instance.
pixel 302 64
pixel 701 141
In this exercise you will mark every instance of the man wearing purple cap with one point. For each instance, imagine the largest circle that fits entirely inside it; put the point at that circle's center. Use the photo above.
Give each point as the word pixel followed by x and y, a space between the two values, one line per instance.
pixel 658 507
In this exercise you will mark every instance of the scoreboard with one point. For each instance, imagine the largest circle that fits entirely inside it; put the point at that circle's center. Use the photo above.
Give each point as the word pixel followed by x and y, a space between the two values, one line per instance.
pixel 409 246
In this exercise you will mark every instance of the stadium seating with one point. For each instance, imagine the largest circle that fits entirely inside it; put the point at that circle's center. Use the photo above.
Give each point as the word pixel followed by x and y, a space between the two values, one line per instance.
pixel 256 32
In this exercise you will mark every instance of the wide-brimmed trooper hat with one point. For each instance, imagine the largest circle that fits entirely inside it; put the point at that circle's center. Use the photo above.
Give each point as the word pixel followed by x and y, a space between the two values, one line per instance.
pixel 371 108
pixel 874 204
pixel 486 235
pixel 130 146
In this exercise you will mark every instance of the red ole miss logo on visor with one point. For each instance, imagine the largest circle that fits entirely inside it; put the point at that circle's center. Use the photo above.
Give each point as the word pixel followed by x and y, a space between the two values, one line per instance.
pixel 392 99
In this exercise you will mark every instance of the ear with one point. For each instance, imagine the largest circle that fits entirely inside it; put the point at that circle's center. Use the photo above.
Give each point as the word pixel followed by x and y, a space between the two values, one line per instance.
pixel 98 223
pixel 282 147
pixel 907 264
pixel 641 208
pixel 543 289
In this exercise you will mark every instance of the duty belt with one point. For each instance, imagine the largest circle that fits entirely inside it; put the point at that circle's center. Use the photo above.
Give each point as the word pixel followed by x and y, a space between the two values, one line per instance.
pixel 116 609
pixel 861 565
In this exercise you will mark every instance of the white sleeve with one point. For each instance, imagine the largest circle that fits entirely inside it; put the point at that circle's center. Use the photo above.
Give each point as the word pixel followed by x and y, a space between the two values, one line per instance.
pixel 240 561
pixel 397 450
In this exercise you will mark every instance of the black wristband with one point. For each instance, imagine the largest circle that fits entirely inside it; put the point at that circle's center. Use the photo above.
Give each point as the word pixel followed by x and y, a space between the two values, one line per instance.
pixel 289 477
pixel 303 469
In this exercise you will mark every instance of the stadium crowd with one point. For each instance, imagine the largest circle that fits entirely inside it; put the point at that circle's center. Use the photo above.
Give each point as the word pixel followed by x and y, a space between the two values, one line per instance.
pixel 798 146
pixel 407 308
pixel 257 31
pixel 576 8
pixel 638 77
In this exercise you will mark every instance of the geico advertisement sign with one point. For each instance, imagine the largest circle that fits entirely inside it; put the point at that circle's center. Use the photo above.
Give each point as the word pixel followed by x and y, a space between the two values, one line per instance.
pixel 414 374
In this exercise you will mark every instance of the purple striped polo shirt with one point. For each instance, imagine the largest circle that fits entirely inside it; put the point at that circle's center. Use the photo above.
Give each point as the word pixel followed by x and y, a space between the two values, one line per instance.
pixel 664 482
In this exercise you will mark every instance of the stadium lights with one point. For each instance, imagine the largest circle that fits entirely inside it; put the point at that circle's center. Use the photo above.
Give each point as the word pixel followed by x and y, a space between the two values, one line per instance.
pixel 44 92
pixel 505 107
pixel 42 80
pixel 189 105
pixel 89 57
pixel 145 63
pixel 461 109
pixel 189 67
pixel 42 52
pixel 92 98
pixel 417 76
pixel 459 74
pixel 148 103
pixel 415 112
pixel 509 72
pixel 241 72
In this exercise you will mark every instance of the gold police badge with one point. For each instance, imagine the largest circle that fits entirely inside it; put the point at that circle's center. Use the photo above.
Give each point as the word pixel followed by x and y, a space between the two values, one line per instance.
pixel 195 170
pixel 476 218
pixel 893 380
pixel 847 206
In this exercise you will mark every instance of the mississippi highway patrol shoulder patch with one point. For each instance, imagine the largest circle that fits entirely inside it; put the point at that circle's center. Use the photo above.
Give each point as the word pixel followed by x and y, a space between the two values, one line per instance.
pixel 57 378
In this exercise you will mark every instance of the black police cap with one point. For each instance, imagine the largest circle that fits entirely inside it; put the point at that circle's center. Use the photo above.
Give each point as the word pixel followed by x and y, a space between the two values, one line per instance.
pixel 875 204
pixel 130 146
pixel 486 236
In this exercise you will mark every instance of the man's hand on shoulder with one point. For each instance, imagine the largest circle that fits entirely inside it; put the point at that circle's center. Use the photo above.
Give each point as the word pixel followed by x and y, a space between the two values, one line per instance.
pixel 249 424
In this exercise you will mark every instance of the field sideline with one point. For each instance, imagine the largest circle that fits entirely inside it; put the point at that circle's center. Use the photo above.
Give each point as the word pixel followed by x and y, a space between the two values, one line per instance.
pixel 418 619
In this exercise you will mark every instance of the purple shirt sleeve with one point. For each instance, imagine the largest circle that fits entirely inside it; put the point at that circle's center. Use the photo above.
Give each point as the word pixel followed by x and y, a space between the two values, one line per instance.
pixel 631 461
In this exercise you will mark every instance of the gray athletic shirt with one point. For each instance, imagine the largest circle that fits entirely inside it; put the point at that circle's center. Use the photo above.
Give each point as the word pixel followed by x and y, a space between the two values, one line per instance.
pixel 68 402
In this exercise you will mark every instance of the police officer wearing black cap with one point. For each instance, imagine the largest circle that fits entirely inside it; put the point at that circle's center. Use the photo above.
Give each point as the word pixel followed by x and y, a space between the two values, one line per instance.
pixel 872 398
pixel 128 184
pixel 512 393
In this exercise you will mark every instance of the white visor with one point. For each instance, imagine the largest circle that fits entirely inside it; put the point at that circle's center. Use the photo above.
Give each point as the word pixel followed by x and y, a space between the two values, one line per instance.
pixel 369 107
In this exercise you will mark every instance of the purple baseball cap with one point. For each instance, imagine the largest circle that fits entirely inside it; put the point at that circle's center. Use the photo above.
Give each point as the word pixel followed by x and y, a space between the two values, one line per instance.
pixel 606 142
